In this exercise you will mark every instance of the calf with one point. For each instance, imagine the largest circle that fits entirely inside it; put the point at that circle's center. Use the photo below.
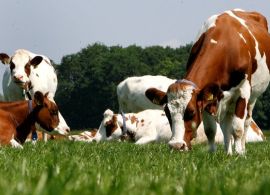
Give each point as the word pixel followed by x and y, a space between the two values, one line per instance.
pixel 19 119
pixel 147 126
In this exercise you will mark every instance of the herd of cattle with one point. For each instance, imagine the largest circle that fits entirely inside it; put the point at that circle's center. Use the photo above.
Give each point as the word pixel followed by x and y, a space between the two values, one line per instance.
pixel 227 70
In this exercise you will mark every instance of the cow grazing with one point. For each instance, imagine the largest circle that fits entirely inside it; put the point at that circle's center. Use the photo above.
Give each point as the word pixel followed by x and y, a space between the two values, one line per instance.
pixel 28 73
pixel 19 119
pixel 147 126
pixel 227 70
pixel 130 92
pixel 132 99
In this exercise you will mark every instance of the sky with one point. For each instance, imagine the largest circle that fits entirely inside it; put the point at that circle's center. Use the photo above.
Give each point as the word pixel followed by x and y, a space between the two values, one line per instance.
pixel 56 28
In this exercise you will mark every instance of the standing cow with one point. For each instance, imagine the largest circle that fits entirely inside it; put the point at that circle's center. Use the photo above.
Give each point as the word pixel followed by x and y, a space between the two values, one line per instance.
pixel 227 70
pixel 132 99
pixel 130 92
pixel 28 73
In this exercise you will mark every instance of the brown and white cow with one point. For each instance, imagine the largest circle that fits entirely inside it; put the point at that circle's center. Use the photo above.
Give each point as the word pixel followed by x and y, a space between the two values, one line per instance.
pixel 227 70
pixel 27 73
pixel 131 92
pixel 20 118
pixel 147 126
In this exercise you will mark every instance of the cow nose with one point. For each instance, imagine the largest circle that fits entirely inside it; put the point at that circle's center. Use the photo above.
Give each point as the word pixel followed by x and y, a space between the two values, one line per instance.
pixel 18 77
pixel 68 130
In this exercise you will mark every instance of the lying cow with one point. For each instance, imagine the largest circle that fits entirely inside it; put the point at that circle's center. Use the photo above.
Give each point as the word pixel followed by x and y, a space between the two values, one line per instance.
pixel 227 70
pixel 147 126
pixel 28 73
pixel 20 118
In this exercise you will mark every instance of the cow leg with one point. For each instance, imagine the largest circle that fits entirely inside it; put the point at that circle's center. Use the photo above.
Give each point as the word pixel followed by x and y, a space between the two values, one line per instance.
pixel 210 128
pixel 145 140
pixel 226 128
pixel 247 122
pixel 44 136
pixel 15 144
pixel 239 122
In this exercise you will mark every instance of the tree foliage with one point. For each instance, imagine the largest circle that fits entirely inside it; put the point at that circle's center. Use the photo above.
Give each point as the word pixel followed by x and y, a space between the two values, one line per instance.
pixel 88 79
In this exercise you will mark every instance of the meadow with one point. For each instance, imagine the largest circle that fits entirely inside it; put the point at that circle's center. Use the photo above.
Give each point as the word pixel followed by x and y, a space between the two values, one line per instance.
pixel 64 167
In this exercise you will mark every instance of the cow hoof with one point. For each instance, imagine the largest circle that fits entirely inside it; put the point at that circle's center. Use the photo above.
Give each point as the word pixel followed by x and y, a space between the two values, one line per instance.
pixel 181 146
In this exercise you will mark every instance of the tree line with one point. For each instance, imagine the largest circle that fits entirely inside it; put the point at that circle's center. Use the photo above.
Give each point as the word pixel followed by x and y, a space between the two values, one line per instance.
pixel 88 79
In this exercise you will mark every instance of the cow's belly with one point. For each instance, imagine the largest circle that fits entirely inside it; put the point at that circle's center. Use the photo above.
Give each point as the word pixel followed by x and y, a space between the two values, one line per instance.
pixel 259 79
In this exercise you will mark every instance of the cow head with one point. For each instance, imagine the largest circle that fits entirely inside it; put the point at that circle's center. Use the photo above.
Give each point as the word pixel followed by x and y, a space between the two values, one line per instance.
pixel 109 128
pixel 20 66
pixel 183 104
pixel 45 112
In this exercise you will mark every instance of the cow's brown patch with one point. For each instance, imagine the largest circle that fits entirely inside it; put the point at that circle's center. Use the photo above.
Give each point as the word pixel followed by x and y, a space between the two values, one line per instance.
pixel 240 107
pixel 255 128
pixel 133 119
pixel 111 126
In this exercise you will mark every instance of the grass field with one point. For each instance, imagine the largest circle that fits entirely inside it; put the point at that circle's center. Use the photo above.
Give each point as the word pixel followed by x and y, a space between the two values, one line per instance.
pixel 63 167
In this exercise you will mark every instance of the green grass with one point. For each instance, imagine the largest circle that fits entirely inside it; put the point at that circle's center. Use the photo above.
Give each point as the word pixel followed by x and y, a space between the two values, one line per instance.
pixel 63 167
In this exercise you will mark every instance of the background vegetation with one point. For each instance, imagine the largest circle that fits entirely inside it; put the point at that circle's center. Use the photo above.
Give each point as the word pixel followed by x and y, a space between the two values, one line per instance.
pixel 65 167
pixel 88 79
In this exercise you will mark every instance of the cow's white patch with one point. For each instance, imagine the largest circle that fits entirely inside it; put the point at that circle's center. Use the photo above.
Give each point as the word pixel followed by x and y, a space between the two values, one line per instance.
pixel 242 37
pixel 245 89
pixel 213 41
pixel 260 78
pixel 131 92
pixel 238 128
pixel 242 21
pixel 177 103
pixel 209 23
pixel 15 144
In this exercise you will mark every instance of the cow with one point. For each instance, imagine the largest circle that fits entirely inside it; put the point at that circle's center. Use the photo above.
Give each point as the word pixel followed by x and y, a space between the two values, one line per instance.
pixel 130 92
pixel 132 99
pixel 227 70
pixel 28 73
pixel 85 136
pixel 20 118
pixel 146 126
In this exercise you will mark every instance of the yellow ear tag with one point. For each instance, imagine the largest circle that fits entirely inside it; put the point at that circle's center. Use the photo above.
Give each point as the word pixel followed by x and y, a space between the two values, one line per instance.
pixel 210 97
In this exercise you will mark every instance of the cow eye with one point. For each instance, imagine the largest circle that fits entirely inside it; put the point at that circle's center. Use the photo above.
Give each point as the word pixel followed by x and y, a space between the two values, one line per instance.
pixel 53 112
pixel 189 114
pixel 11 66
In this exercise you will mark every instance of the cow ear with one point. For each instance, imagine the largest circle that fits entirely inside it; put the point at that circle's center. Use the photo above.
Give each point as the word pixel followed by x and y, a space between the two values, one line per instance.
pixel 209 98
pixel 156 96
pixel 5 59
pixel 36 61
pixel 39 98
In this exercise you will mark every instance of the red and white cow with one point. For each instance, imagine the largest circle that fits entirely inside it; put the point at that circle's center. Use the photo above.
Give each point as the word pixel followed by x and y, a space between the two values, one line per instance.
pixel 19 118
pixel 131 92
pixel 132 99
pixel 146 126
pixel 28 73
pixel 227 70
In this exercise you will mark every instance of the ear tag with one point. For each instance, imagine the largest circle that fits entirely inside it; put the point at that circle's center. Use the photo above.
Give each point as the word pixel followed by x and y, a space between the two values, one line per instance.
pixel 210 97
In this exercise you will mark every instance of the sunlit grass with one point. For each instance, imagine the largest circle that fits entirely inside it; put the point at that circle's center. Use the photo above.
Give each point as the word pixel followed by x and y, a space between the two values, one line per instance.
pixel 63 167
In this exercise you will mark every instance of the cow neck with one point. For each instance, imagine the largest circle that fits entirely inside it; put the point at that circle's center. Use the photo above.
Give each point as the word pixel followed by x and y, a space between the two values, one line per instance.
pixel 126 134
pixel 27 122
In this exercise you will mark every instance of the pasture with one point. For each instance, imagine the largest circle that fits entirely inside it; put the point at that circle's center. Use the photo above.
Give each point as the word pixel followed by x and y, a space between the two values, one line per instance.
pixel 65 167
